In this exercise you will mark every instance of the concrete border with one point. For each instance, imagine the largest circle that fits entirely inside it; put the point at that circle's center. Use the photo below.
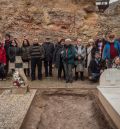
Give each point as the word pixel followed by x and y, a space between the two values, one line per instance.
pixel 109 108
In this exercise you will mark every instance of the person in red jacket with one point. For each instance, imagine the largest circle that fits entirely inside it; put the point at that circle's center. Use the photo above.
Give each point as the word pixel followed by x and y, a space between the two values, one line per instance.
pixel 2 62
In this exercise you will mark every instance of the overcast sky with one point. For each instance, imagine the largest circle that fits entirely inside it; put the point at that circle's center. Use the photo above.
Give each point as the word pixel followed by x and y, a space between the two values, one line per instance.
pixel 113 0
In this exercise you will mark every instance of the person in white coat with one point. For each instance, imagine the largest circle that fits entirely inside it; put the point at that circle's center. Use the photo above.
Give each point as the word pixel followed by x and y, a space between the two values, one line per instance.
pixel 89 51
pixel 80 60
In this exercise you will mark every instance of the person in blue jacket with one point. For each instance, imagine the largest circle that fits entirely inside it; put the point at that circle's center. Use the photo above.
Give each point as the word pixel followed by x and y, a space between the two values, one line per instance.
pixel 111 50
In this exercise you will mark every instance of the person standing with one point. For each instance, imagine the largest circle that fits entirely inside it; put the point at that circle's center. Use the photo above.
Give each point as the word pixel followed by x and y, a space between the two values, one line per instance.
pixel 13 51
pixel 80 61
pixel 57 58
pixel 37 55
pixel 26 55
pixel 90 51
pixel 48 60
pixel 6 46
pixel 2 62
pixel 100 43
pixel 111 50
pixel 68 56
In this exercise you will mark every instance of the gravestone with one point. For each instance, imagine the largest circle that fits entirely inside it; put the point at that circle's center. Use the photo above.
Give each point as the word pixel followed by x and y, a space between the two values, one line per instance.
pixel 18 63
pixel 110 78
pixel 19 66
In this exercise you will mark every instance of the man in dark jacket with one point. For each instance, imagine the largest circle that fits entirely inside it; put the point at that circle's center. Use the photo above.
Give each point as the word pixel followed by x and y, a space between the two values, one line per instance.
pixel 37 54
pixel 6 46
pixel 57 58
pixel 95 68
pixel 49 50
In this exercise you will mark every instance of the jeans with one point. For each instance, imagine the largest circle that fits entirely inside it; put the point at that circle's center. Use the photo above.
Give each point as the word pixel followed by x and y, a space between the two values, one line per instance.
pixel 48 68
pixel 36 62
pixel 68 72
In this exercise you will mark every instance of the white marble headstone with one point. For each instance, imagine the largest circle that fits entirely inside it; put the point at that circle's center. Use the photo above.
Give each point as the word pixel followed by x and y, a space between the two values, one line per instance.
pixel 110 78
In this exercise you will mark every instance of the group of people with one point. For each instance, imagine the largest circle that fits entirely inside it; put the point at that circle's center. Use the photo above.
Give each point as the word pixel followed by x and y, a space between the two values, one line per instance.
pixel 66 55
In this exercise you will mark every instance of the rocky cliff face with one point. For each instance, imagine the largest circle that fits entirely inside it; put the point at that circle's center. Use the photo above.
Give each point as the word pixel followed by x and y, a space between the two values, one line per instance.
pixel 56 18
pixel 111 20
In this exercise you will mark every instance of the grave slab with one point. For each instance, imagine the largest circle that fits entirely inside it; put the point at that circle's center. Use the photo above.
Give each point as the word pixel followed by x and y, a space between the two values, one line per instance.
pixel 110 99
pixel 13 108
pixel 110 78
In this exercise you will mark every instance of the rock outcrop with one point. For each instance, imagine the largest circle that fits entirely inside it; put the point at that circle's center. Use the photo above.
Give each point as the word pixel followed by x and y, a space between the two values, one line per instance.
pixel 111 20
pixel 56 18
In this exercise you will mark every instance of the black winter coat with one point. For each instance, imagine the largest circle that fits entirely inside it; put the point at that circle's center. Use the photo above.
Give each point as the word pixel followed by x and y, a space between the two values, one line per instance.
pixel 49 51
pixel 13 52
pixel 25 53
pixel 96 66
pixel 7 46
pixel 57 59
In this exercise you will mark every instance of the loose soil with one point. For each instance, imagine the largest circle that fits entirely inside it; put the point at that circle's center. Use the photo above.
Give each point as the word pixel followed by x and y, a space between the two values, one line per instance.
pixel 65 111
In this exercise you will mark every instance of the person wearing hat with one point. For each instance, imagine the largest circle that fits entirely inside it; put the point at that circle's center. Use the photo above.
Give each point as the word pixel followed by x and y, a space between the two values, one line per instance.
pixel 95 67
pixel 68 58
pixel 48 60
pixel 111 50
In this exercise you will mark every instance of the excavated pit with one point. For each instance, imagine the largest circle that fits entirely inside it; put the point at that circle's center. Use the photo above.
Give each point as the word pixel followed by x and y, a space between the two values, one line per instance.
pixel 66 110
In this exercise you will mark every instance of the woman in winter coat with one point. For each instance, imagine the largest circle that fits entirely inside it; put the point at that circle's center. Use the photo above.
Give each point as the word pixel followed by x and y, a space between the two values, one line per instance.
pixel 13 51
pixel 57 58
pixel 25 53
pixel 89 50
pixel 80 62
pixel 2 62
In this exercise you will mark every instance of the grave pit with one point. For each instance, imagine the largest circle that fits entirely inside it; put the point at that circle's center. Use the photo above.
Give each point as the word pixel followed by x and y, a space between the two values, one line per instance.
pixel 66 110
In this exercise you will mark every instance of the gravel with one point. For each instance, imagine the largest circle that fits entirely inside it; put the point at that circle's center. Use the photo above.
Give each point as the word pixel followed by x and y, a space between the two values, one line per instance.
pixel 13 108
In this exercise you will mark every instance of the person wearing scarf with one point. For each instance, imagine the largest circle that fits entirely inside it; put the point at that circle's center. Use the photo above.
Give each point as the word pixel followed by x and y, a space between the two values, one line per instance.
pixel 111 50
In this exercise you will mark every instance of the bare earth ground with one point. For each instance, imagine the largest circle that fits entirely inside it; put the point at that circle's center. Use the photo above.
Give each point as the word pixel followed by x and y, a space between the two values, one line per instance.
pixel 65 111
pixel 53 83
